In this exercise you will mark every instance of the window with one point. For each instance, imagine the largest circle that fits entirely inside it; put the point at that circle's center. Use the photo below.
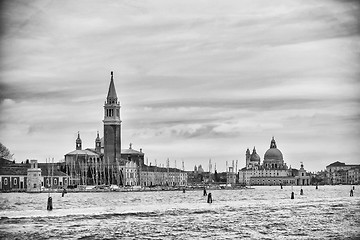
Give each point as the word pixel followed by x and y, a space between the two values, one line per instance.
pixel 55 181
pixel 47 181
pixel 15 181
pixel 5 181
pixel 34 185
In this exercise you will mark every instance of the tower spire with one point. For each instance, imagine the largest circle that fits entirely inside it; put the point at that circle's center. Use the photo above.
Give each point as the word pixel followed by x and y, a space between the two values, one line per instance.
pixel 112 96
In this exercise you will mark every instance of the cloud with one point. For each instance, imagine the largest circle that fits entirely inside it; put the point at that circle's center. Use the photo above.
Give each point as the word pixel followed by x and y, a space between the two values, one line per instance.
pixel 193 78
pixel 255 104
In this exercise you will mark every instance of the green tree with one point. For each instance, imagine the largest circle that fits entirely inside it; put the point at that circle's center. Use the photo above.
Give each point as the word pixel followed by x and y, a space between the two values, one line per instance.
pixel 5 153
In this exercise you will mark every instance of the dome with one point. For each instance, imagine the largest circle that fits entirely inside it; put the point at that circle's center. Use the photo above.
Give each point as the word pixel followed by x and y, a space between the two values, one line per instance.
pixel 273 154
pixel 255 157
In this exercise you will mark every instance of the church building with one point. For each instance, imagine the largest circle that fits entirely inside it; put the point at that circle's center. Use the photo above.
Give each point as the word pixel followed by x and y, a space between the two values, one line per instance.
pixel 273 170
pixel 107 163
pixel 104 164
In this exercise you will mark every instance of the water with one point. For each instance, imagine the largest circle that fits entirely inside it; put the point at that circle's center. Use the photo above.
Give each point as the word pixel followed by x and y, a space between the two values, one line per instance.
pixel 260 213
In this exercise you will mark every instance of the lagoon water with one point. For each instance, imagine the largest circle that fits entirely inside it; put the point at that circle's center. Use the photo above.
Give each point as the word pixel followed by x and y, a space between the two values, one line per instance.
pixel 259 213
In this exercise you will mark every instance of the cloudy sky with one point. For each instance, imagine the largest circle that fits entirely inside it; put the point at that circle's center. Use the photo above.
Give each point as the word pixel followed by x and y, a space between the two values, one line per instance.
pixel 197 80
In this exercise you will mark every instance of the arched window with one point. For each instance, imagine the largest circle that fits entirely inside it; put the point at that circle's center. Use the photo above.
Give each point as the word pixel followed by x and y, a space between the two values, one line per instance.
pixel 5 181
pixel 15 181
pixel 55 181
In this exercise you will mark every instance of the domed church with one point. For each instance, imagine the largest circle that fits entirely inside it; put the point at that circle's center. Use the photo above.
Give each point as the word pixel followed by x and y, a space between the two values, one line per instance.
pixel 273 170
pixel 273 158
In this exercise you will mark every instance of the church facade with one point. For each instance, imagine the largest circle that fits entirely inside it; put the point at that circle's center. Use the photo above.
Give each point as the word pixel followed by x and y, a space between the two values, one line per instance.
pixel 272 171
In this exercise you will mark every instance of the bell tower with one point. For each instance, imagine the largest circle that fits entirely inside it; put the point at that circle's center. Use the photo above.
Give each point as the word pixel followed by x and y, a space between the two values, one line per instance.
pixel 98 143
pixel 112 125
pixel 78 142
pixel 247 157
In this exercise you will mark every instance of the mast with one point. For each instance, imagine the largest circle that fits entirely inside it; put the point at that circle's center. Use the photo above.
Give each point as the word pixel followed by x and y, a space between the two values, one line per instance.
pixel 155 175
pixel 112 173
pixel 84 171
pixel 80 173
pixel 90 168
pixel 118 172
pixel 48 174
pixel 52 174
pixel 108 171
pixel 147 172
pixel 96 172
pixel 168 166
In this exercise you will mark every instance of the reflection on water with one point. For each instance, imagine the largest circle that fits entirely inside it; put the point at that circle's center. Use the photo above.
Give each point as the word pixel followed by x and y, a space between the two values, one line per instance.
pixel 260 213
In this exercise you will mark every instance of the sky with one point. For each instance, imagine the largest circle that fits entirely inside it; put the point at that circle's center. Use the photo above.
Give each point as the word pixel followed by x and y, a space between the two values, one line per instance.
pixel 197 80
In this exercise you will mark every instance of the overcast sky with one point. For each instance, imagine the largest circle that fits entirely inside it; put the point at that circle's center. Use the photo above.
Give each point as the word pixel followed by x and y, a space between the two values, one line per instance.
pixel 197 80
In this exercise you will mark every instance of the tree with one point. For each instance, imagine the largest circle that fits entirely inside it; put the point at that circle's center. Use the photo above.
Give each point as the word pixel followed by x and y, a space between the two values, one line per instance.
pixel 5 153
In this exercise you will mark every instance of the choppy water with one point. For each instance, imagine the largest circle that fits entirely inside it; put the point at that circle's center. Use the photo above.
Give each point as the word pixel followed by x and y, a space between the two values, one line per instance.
pixel 260 213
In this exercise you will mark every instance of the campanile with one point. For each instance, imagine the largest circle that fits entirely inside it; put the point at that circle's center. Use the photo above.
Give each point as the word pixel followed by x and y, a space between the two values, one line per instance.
pixel 112 125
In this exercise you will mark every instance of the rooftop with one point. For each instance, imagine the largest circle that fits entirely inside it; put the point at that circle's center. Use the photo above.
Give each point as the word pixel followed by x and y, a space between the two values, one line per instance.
pixel 21 169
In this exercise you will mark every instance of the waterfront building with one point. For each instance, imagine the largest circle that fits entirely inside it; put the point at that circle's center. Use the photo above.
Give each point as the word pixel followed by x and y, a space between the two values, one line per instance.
pixel 132 177
pixel 273 170
pixel 161 176
pixel 84 166
pixel 354 175
pixel 133 155
pixel 107 163
pixel 199 176
pixel 231 176
pixel 31 176
pixel 341 173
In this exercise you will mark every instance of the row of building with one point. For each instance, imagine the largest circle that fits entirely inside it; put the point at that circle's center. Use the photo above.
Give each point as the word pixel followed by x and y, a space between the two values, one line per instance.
pixel 108 164
pixel 105 164
pixel 272 171
pixel 30 176
pixel 341 173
